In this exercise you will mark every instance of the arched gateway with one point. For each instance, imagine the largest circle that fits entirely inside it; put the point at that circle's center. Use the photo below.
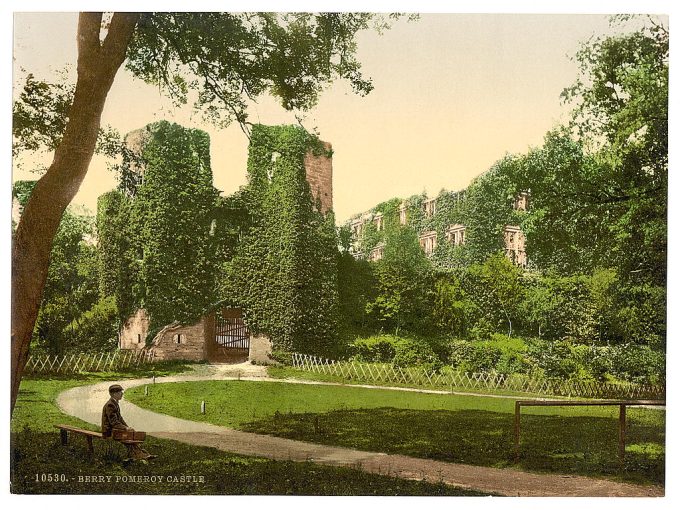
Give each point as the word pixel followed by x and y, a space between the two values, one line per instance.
pixel 231 338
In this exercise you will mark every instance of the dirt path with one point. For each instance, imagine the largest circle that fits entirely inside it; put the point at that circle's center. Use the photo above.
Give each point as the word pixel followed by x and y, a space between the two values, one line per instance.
pixel 85 402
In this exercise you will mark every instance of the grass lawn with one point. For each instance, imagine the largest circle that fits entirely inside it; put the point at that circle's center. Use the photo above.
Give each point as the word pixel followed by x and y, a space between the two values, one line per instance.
pixel 284 372
pixel 37 456
pixel 467 429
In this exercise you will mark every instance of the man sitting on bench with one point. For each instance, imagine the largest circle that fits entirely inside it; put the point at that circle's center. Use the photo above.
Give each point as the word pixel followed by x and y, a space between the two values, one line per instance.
pixel 113 421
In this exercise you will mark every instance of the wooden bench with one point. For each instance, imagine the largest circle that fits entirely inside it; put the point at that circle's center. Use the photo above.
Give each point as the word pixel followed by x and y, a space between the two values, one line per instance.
pixel 622 415
pixel 124 437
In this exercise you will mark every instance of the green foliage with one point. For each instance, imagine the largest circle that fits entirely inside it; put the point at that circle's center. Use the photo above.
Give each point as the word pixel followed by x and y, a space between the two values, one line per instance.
pixel 171 217
pixel 284 272
pixel 117 254
pixel 413 352
pixel 621 113
pixel 375 349
pixel 638 315
pixel 291 56
pixel 403 283
pixel 21 190
pixel 356 288
pixel 96 330
pixel 488 209
pixel 497 290
pixel 402 352
pixel 71 286
pixel 638 363
pixel 40 114
pixel 453 310
pixel 565 230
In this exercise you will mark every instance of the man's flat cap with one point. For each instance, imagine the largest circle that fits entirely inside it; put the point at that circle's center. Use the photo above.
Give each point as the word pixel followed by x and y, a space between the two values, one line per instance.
pixel 115 387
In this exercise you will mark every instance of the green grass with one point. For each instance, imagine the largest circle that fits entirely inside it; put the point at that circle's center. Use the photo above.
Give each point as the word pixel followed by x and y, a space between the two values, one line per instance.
pixel 35 450
pixel 468 429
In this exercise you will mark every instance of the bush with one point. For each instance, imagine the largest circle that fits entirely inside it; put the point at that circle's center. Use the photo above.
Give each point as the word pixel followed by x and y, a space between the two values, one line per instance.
pixel 283 357
pixel 638 363
pixel 554 359
pixel 375 349
pixel 402 352
pixel 410 352
pixel 512 363
pixel 500 354
pixel 95 330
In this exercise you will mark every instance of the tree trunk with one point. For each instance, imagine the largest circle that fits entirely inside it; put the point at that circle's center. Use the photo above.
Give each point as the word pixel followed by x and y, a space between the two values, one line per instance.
pixel 98 63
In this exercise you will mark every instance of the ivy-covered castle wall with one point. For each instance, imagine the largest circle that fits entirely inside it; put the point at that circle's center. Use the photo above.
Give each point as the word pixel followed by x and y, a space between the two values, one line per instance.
pixel 455 228
pixel 156 240
pixel 284 271
pixel 171 245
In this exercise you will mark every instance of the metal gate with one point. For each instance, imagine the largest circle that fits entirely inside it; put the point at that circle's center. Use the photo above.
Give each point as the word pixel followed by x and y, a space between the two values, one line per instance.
pixel 232 333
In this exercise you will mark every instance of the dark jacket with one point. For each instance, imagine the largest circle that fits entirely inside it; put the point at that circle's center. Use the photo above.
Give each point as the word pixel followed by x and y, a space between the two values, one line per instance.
pixel 111 418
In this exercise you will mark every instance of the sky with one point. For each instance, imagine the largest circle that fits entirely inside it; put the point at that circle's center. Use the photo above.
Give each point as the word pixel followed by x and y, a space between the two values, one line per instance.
pixel 453 93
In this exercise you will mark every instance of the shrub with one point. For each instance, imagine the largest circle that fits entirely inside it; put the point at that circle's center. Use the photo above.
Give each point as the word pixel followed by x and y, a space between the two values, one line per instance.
pixel 283 357
pixel 410 352
pixel 553 358
pixel 375 349
pixel 96 329
pixel 638 363
pixel 512 362
pixel 402 352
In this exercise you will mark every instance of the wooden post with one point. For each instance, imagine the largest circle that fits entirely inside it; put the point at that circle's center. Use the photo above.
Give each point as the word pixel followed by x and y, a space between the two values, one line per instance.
pixel 622 434
pixel 517 410
pixel 146 390
pixel 202 406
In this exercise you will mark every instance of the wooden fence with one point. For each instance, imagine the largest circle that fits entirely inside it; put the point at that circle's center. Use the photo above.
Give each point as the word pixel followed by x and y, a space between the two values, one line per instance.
pixel 95 362
pixel 453 380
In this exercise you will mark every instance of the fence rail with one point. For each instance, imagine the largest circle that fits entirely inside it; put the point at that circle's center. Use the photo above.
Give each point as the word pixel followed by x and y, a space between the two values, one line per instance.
pixel 454 380
pixel 95 362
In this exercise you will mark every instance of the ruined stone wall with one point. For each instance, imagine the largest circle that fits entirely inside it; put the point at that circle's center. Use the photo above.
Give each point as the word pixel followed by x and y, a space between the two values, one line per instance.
pixel 260 350
pixel 134 331
pixel 181 342
pixel 319 172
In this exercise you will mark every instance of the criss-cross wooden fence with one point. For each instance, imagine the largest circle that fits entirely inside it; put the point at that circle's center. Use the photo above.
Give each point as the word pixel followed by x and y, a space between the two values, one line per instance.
pixel 94 362
pixel 453 380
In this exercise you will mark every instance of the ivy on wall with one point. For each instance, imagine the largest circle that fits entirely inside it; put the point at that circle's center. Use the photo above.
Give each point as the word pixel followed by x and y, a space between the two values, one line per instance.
pixel 118 267
pixel 284 272
pixel 484 209
pixel 157 244
pixel 172 216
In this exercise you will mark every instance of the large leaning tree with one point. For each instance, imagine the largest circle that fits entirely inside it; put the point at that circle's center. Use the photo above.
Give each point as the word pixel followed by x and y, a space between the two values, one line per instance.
pixel 222 60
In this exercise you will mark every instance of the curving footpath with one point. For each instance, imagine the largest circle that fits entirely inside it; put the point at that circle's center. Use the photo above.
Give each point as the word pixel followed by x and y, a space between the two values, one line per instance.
pixel 85 402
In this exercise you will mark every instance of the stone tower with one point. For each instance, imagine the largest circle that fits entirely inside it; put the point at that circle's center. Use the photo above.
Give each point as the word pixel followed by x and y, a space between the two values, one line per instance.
pixel 319 172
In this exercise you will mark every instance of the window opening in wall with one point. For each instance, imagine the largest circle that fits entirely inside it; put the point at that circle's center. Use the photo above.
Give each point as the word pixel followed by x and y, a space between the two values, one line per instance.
pixel 139 338
pixel 428 242
pixel 430 207
pixel 178 338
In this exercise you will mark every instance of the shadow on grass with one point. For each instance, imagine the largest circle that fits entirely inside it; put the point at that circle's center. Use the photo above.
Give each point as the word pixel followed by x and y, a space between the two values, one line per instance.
pixel 561 444
pixel 36 457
